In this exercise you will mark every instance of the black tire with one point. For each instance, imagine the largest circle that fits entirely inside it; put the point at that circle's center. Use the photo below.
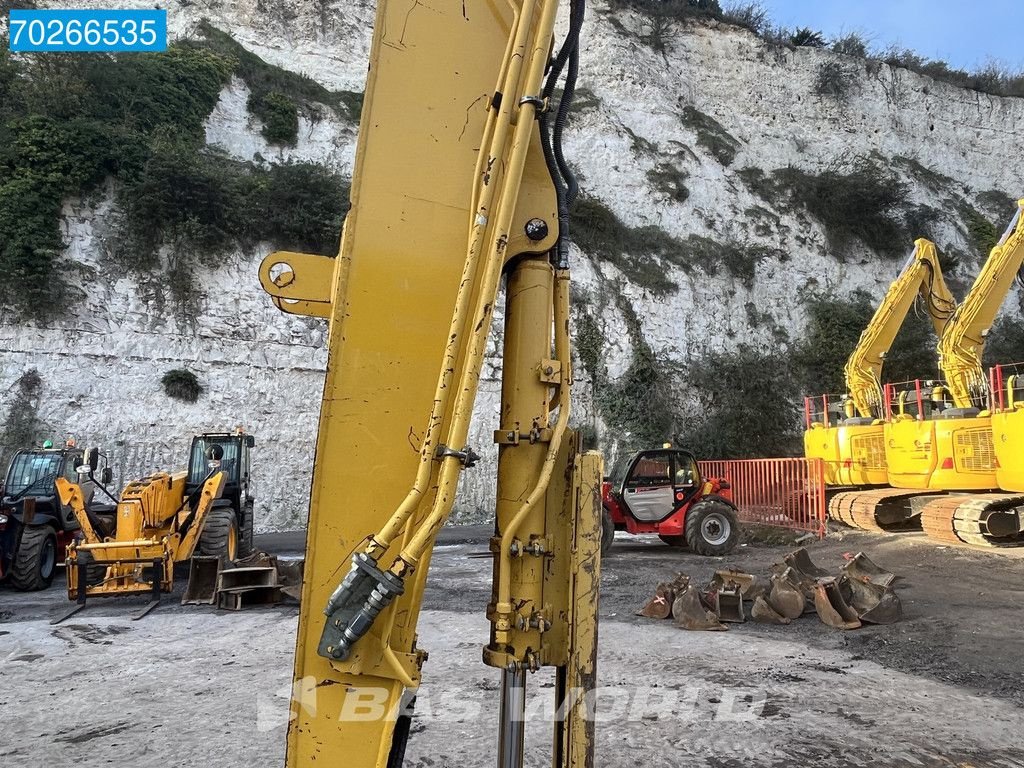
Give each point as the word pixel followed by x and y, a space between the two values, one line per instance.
pixel 674 541
pixel 35 562
pixel 711 528
pixel 607 530
pixel 245 539
pixel 220 534
pixel 94 574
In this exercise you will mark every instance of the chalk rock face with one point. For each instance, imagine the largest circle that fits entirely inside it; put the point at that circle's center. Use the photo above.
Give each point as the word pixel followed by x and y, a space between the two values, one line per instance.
pixel 641 112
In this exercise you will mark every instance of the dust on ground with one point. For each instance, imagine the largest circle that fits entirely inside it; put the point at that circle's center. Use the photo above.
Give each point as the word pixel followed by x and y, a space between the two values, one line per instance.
pixel 197 687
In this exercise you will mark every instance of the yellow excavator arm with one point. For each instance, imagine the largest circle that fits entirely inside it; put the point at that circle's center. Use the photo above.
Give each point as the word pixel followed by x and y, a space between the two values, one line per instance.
pixel 459 187
pixel 962 344
pixel 921 276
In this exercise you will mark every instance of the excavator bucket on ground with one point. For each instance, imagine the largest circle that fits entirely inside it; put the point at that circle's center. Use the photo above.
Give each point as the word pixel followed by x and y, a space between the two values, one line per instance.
pixel 861 567
pixel 728 602
pixel 690 613
pixel 873 603
pixel 749 585
pixel 788 597
pixel 202 581
pixel 801 561
pixel 832 609
pixel 763 613
pixel 660 605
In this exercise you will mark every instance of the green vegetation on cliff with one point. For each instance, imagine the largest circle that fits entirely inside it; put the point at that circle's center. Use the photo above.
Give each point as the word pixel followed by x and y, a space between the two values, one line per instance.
pixel 70 124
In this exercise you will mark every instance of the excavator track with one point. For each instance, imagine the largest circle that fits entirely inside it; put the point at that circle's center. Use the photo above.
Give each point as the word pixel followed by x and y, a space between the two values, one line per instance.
pixel 878 509
pixel 972 519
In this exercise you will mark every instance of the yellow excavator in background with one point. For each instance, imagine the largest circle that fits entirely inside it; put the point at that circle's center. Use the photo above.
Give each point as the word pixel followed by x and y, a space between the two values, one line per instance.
pixel 460 187
pixel 848 434
pixel 962 455
pixel 938 436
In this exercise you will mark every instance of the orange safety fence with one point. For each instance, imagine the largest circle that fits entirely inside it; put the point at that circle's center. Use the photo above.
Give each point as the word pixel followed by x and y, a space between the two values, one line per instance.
pixel 789 493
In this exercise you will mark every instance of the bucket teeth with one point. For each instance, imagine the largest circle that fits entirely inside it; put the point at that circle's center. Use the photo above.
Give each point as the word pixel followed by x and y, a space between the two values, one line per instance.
pixel 832 609
pixel 691 614
pixel 873 603
pixel 763 613
pixel 861 567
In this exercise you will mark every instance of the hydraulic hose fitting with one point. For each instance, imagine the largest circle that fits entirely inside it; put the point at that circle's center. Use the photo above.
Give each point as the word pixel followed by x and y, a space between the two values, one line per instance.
pixel 354 606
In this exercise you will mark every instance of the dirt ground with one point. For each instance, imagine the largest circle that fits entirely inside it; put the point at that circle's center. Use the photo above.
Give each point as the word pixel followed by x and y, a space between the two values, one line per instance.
pixel 196 687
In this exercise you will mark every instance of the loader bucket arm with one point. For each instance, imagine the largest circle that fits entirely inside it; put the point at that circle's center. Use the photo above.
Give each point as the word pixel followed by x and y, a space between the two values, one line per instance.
pixel 920 276
pixel 70 495
pixel 211 491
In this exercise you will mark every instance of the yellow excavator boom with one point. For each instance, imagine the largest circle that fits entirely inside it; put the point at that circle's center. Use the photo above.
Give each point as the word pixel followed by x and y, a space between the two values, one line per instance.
pixel 961 346
pixel 920 276
pixel 459 187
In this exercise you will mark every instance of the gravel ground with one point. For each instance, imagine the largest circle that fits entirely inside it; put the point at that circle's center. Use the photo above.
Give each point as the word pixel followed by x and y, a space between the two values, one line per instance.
pixel 192 686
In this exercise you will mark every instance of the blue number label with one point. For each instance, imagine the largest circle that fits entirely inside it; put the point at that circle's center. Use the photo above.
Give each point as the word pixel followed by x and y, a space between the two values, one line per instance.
pixel 88 30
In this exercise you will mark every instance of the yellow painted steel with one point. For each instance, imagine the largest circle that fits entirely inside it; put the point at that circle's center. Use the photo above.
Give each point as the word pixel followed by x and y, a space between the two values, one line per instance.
pixel 448 172
pixel 953 449
pixel 150 527
pixel 1008 437
pixel 854 450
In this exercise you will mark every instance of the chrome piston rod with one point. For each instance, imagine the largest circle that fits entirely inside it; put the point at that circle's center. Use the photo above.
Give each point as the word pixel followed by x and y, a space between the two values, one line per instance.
pixel 513 714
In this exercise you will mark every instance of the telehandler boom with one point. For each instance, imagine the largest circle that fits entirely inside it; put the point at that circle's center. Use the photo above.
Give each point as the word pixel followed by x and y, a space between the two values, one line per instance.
pixel 460 186
pixel 850 442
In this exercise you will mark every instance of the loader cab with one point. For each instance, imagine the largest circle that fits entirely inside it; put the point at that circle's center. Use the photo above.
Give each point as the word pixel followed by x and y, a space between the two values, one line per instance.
pixel 32 475
pixel 234 450
pixel 654 484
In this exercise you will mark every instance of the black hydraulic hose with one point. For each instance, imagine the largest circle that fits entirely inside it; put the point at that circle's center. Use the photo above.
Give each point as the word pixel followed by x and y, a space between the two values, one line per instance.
pixel 565 183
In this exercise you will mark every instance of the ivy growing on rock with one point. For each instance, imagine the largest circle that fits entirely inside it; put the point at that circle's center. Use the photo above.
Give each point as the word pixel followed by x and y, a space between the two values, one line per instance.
pixel 69 123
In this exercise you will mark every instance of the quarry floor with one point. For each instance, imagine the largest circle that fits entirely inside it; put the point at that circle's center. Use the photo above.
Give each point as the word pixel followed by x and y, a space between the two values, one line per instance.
pixel 197 687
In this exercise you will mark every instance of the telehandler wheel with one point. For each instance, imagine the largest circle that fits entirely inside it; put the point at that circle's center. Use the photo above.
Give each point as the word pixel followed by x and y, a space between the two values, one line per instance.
pixel 220 534
pixel 35 562
pixel 94 574
pixel 607 530
pixel 711 527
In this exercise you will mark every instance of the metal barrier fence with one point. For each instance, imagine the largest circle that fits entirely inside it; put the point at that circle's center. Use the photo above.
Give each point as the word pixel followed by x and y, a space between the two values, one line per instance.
pixel 788 493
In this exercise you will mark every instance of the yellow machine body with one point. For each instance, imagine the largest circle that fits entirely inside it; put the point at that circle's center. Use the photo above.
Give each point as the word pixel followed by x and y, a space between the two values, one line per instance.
pixel 940 454
pixel 853 454
pixel 451 197
pixel 952 448
pixel 1008 437
pixel 852 445
pixel 154 527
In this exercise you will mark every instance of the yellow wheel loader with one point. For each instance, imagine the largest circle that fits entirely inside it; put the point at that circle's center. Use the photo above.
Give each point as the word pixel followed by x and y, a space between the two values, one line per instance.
pixel 847 432
pixel 155 525
pixel 460 189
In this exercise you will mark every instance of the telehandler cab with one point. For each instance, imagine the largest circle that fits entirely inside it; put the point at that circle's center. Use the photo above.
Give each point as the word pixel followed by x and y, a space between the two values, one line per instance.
pixel 662 491
pixel 35 528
